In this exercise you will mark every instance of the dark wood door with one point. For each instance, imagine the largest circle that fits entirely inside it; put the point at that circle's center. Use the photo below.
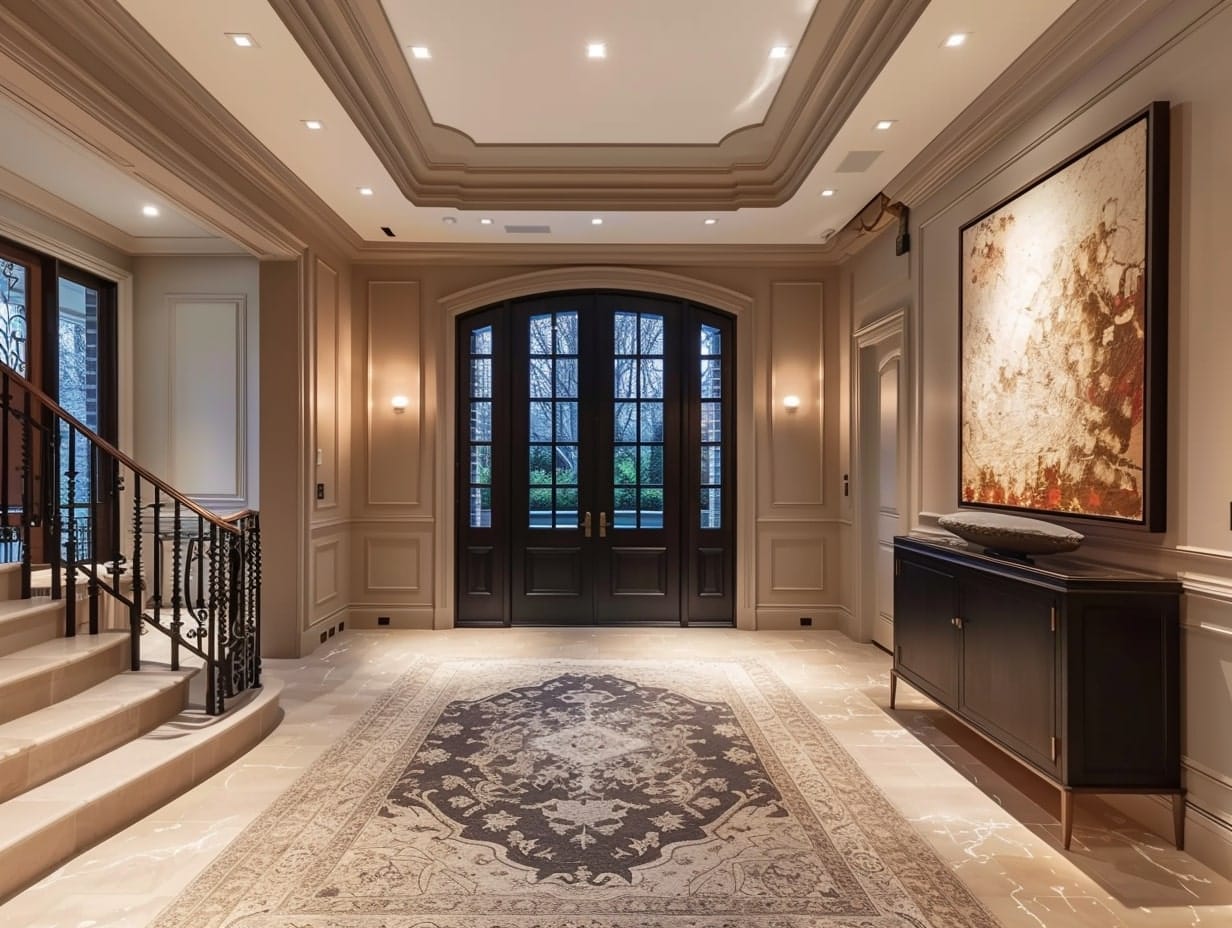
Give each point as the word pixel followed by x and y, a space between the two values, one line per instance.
pixel 595 469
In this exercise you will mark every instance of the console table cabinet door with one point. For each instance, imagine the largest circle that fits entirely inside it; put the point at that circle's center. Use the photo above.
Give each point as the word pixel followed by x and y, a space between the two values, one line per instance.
pixel 1009 661
pixel 925 634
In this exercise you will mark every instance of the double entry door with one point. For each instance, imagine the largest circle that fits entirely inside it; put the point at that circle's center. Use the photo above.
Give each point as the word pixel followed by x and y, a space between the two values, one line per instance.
pixel 594 462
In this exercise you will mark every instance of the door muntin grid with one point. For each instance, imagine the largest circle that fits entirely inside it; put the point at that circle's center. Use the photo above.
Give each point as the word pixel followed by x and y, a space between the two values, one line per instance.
pixel 479 451
pixel 554 445
pixel 710 433
pixel 638 484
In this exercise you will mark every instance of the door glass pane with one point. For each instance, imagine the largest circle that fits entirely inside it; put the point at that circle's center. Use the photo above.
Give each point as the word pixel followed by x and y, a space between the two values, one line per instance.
pixel 637 473
pixel 541 377
pixel 14 318
pixel 553 423
pixel 479 389
pixel 710 432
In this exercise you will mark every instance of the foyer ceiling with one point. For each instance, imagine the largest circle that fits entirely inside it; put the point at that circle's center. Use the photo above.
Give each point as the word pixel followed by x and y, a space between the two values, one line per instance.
pixel 688 131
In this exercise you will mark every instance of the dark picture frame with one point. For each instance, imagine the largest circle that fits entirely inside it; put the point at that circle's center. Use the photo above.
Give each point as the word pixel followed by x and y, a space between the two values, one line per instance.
pixel 1063 321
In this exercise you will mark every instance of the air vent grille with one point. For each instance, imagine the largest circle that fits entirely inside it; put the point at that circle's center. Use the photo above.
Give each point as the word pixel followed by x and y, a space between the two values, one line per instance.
pixel 857 162
pixel 528 230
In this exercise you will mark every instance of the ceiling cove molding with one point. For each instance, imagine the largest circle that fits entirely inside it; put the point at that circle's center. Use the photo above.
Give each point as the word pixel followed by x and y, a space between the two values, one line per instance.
pixel 441 254
pixel 353 47
pixel 91 69
pixel 1083 33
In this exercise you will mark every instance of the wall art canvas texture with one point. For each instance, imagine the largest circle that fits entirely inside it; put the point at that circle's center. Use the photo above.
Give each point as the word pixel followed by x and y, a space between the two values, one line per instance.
pixel 1062 336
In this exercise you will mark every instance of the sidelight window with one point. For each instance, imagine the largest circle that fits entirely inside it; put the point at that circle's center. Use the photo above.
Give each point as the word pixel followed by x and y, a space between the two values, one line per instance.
pixel 479 399
pixel 711 380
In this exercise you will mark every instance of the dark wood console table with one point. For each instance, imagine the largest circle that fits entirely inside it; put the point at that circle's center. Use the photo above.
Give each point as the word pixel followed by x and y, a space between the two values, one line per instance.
pixel 1071 668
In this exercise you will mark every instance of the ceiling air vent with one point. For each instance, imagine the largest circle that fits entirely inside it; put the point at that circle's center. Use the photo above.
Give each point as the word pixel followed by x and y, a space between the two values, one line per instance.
pixel 857 162
pixel 528 230
pixel 388 231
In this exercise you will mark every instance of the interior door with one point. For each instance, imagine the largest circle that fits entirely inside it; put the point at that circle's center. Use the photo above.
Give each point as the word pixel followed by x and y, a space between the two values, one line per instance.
pixel 595 462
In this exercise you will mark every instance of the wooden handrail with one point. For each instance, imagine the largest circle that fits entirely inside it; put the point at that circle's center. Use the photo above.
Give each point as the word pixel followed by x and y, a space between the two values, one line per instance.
pixel 120 456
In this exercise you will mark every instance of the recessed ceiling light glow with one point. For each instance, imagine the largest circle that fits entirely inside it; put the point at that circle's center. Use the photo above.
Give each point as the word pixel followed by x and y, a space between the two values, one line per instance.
pixel 957 39
pixel 449 220
pixel 780 51
pixel 596 221
pixel 710 222
pixel 242 39
pixel 485 222
pixel 421 52
pixel 885 124
pixel 596 50
pixel 365 191
pixel 313 124
pixel 149 210
pixel 828 192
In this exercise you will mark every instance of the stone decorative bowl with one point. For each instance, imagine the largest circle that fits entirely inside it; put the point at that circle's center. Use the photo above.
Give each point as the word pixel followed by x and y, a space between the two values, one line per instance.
pixel 1015 536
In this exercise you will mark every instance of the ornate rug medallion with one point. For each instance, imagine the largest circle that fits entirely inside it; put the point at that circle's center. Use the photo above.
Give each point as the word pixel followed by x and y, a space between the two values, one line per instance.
pixel 571 794
pixel 585 776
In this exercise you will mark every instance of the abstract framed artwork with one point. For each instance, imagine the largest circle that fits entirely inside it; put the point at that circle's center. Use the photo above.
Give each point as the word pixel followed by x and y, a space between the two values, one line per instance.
pixel 1063 327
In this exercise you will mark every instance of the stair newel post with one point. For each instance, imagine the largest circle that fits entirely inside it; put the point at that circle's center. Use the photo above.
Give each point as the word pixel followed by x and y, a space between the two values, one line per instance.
pixel 91 551
pixel 138 603
pixel 70 537
pixel 177 584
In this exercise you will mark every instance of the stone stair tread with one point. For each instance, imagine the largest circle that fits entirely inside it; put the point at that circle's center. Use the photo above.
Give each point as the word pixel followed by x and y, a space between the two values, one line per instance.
pixel 11 609
pixel 184 750
pixel 87 708
pixel 59 652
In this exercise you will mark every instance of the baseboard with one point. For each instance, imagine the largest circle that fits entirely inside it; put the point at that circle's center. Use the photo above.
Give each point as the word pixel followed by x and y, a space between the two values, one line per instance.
pixel 787 618
pixel 1207 839
pixel 398 616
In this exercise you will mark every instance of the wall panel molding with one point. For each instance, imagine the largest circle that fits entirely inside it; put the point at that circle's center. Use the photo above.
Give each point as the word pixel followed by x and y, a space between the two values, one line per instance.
pixel 395 366
pixel 394 564
pixel 207 370
pixel 326 383
pixel 325 565
pixel 797 362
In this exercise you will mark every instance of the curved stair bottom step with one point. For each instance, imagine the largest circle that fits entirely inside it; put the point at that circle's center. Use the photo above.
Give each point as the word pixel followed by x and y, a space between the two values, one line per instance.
pixel 43 828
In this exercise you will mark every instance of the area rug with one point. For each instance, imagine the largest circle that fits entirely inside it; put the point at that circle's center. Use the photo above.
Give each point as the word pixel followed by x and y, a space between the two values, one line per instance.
pixel 581 794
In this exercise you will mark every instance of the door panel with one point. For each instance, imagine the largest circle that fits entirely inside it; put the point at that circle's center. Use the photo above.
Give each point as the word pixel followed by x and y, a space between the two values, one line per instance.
pixel 611 459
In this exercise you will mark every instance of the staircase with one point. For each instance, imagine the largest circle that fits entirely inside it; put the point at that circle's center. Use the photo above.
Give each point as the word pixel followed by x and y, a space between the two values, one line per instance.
pixel 114 671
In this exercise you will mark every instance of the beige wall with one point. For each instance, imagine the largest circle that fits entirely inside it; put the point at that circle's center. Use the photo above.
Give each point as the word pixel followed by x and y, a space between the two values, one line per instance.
pixel 1193 70
pixel 197 368
pixel 789 547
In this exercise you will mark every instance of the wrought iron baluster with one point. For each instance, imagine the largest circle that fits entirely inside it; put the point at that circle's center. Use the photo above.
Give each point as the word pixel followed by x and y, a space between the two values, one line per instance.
pixel 70 543
pixel 138 604
pixel 215 685
pixel 177 598
pixel 91 534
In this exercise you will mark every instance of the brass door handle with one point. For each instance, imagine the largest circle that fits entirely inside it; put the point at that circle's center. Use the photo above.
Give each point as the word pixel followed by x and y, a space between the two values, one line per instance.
pixel 603 525
pixel 586 524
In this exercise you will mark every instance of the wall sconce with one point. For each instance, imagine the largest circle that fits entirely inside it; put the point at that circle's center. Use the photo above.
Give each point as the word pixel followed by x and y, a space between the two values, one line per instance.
pixel 791 402
pixel 399 403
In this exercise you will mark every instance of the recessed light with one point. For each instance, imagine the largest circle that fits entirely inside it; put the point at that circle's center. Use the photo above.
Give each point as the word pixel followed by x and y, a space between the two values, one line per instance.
pixel 780 51
pixel 421 51
pixel 596 221
pixel 885 124
pixel 365 191
pixel 449 220
pixel 149 210
pixel 596 50
pixel 313 124
pixel 957 39
pixel 485 222
pixel 828 192
pixel 710 222
pixel 242 39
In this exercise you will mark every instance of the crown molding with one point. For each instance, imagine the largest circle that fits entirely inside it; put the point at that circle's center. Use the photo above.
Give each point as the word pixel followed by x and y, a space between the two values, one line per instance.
pixel 92 70
pixel 1082 34
pixel 353 47
pixel 442 254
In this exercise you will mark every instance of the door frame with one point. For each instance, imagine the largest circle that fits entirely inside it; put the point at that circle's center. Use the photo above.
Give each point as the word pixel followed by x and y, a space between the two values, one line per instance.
pixel 738 305
pixel 865 370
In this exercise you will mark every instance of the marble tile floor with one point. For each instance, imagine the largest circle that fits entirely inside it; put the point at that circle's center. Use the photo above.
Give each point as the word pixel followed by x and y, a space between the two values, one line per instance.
pixel 993 822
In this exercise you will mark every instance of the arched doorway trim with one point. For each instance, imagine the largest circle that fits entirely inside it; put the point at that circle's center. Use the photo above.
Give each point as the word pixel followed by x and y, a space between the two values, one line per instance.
pixel 642 280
